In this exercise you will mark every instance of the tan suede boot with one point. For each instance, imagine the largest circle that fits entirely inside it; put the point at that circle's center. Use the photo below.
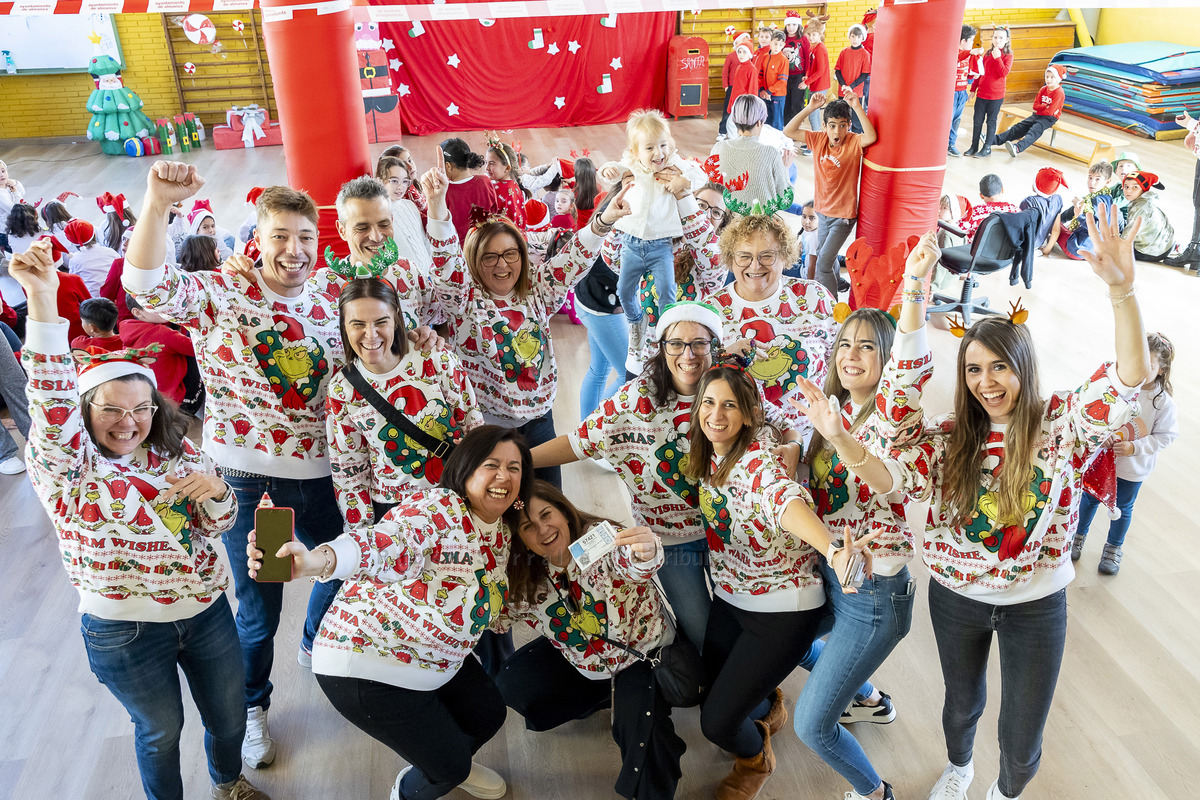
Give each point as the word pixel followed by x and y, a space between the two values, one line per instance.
pixel 748 775
pixel 777 714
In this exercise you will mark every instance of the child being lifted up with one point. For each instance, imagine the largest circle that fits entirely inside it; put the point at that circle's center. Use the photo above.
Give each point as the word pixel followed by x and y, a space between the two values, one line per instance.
pixel 655 168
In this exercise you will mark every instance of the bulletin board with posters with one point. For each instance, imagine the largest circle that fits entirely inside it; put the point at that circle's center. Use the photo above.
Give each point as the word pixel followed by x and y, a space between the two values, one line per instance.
pixel 41 44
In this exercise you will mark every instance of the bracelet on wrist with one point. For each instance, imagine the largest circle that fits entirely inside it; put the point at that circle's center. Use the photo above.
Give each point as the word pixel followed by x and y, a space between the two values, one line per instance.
pixel 917 278
pixel 859 463
pixel 1117 299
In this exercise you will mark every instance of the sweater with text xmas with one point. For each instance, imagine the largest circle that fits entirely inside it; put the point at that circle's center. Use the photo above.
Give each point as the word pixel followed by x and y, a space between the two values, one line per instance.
pixel 265 359
pixel 419 589
pixel 504 342
pixel 371 459
pixel 128 555
pixel 757 564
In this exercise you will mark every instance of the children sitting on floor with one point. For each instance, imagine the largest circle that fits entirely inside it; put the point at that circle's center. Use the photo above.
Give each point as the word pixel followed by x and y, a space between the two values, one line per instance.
pixel 92 260
pixel 1073 236
pixel 1156 238
pixel 991 191
pixel 99 319
pixel 1047 108
pixel 1046 200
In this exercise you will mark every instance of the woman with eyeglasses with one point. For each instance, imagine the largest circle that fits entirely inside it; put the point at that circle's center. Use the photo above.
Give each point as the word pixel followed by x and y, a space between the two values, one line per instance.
pixel 641 432
pixel 785 325
pixel 588 620
pixel 138 511
pixel 500 309
pixel 408 229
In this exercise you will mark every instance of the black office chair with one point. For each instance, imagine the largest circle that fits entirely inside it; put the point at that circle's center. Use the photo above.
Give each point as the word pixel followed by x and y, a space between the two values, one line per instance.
pixel 990 251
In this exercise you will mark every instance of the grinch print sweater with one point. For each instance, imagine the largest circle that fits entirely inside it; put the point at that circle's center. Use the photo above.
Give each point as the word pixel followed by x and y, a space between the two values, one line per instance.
pixel 758 565
pixel 266 361
pixel 129 556
pixel 419 589
pixel 613 598
pixel 504 342
pixel 988 560
pixel 371 459
pixel 794 330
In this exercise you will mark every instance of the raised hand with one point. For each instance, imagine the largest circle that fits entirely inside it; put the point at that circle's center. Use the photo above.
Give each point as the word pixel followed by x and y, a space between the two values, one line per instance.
pixel 618 207
pixel 434 184
pixel 34 270
pixel 824 412
pixel 924 256
pixel 641 540
pixel 1112 259
pixel 171 182
pixel 851 97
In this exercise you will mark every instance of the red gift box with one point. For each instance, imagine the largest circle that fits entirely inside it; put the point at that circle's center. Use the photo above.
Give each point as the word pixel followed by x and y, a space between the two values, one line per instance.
pixel 242 127
pixel 152 145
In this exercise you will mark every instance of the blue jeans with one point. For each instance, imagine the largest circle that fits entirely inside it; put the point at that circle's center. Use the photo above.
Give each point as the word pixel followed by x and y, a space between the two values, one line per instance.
pixel 814 120
pixel 1032 637
pixel 832 233
pixel 684 577
pixel 1127 492
pixel 318 520
pixel 139 663
pixel 12 389
pixel 775 111
pixel 960 102
pixel 608 344
pixel 639 256
pixel 866 628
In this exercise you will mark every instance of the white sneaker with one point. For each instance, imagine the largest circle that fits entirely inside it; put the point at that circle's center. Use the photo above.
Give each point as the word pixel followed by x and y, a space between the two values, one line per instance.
pixel 637 334
pixel 304 658
pixel 258 748
pixel 994 793
pixel 485 783
pixel 395 795
pixel 953 785
pixel 241 789
pixel 12 466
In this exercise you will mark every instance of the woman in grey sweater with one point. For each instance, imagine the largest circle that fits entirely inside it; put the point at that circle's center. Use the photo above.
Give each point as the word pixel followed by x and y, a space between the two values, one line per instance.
pixel 751 172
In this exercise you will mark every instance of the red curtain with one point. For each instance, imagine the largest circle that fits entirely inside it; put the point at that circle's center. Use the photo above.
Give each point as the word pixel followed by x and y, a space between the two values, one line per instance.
pixel 502 81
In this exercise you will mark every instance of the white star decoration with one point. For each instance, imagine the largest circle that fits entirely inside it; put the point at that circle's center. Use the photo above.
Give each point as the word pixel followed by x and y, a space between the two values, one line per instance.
pixel 573 47
pixel 403 90
pixel 552 49
pixel 615 63
pixel 452 110
pixel 388 44
pixel 395 63
pixel 453 60
pixel 560 101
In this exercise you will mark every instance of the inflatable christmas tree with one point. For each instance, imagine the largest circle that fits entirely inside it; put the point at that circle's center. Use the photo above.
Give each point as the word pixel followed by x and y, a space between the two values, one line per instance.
pixel 116 111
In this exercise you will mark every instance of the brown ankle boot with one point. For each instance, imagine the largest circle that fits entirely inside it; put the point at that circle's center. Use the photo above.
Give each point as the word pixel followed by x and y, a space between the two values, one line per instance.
pixel 777 714
pixel 748 775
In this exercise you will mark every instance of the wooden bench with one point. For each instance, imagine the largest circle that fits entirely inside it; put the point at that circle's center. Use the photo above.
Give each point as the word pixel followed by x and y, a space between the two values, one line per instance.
pixel 1102 141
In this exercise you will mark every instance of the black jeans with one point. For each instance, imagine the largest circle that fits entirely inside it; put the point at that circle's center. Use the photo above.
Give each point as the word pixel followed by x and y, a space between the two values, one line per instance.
pixel 989 110
pixel 795 97
pixel 1032 637
pixel 747 654
pixel 438 732
pixel 541 685
pixel 1196 202
pixel 539 431
pixel 1026 132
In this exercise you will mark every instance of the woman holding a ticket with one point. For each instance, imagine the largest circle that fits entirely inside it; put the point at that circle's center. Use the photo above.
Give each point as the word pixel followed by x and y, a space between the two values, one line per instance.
pixel 587 589
pixel 763 540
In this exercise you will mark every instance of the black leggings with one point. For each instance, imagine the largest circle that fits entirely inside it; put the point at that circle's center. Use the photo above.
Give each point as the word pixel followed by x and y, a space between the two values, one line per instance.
pixel 747 654
pixel 989 109
pixel 540 684
pixel 1196 202
pixel 437 731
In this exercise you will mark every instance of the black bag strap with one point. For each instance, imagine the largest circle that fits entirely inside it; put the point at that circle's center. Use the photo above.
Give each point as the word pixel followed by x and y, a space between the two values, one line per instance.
pixel 439 448
pixel 638 654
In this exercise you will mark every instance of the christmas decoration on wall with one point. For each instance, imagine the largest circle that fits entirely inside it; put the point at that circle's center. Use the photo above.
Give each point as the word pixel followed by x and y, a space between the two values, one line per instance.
pixel 190 69
pixel 239 28
pixel 199 29
pixel 380 104
pixel 116 111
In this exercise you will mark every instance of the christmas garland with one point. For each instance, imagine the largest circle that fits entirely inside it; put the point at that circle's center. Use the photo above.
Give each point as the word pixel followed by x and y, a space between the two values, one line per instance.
pixel 388 255
pixel 781 202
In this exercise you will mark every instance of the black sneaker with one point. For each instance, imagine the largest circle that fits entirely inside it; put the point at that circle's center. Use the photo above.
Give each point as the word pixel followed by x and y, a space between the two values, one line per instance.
pixel 1076 547
pixel 881 714
pixel 887 793
pixel 971 153
pixel 952 150
pixel 984 153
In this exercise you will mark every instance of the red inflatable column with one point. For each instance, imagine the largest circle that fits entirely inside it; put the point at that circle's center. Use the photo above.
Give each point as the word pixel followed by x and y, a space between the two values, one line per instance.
pixel 314 67
pixel 912 97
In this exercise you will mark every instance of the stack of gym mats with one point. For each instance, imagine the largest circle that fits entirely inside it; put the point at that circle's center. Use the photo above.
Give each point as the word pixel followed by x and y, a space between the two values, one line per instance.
pixel 1139 87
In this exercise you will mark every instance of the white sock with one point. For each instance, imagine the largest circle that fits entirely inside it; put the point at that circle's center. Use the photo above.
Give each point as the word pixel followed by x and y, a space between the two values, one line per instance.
pixel 966 771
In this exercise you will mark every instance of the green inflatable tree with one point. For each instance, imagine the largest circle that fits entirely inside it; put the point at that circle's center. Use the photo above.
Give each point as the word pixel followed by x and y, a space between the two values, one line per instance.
pixel 116 111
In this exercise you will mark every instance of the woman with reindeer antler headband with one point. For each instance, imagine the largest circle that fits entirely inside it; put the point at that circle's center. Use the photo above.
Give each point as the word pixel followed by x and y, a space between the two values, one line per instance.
pixel 1003 476
pixel 137 510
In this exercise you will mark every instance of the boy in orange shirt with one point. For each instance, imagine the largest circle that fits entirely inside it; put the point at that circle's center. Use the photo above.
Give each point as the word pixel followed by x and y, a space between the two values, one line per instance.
pixel 774 69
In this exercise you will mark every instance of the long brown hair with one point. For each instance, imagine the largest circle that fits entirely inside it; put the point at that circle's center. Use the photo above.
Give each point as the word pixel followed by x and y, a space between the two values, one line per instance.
pixel 372 289
pixel 198 253
pixel 167 428
pixel 662 385
pixel 1013 344
pixel 745 392
pixel 1162 347
pixel 882 330
pixel 528 574
pixel 587 186
pixel 477 241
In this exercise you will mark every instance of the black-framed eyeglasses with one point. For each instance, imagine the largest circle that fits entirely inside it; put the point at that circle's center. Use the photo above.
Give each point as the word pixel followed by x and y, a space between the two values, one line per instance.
pixel 699 347
pixel 511 256
pixel 716 212
pixel 766 258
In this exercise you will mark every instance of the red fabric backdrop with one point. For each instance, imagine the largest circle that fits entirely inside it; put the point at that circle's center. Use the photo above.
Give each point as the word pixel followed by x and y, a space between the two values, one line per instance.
pixel 501 82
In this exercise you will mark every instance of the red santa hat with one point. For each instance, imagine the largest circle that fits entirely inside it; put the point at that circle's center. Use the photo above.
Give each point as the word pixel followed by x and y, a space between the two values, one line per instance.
pixel 869 17
pixel 742 38
pixel 537 216
pixel 97 366
pixel 201 210
pixel 253 194
pixel 862 31
pixel 79 232
pixel 1048 180
pixel 1060 69
pixel 792 14
pixel 110 203
pixel 57 248
pixel 566 169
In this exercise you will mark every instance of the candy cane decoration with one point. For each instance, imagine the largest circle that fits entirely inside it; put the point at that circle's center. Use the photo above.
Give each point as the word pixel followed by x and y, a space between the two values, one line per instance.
pixel 239 28
pixel 190 69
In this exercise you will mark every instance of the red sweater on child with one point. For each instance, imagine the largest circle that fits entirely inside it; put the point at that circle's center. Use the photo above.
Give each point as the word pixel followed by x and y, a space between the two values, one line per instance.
pixel 745 80
pixel 171 365
pixel 71 292
pixel 108 343
pixel 800 44
pixel 1049 102
pixel 993 83
pixel 963 67
pixel 869 43
pixel 462 196
pixel 817 76
pixel 852 64
pixel 731 63
pixel 113 290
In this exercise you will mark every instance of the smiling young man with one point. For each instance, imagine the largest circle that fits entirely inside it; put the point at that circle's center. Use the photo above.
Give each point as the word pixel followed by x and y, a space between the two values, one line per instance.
pixel 266 351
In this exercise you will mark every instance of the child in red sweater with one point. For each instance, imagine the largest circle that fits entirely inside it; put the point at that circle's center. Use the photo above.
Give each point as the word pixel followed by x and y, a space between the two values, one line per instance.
pixel 98 316
pixel 745 75
pixel 1047 108
pixel 965 39
pixel 853 68
pixel 775 74
pixel 817 76
pixel 989 91
pixel 467 191
pixel 795 49
pixel 732 62
pixel 175 365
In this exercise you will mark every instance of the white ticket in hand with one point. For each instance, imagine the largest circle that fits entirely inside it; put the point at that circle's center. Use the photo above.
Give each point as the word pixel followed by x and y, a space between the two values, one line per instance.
pixel 594 545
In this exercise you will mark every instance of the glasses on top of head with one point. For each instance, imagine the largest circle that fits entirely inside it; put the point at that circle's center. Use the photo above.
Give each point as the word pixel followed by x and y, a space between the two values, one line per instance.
pixel 511 256
pixel 699 347
pixel 111 415
pixel 766 258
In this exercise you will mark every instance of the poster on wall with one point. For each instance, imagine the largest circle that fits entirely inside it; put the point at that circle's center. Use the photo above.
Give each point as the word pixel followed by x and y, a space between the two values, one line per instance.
pixel 51 43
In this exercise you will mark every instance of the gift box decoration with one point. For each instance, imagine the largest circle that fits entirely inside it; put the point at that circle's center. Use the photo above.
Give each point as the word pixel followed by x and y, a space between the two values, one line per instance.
pixel 134 148
pixel 245 127
pixel 152 146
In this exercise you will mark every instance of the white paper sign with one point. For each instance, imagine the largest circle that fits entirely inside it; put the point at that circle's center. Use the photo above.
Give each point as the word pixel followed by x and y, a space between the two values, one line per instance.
pixel 594 545
pixel 34 6
pixel 508 10
pixel 167 6
pixel 449 11
pixel 101 7
pixel 276 14
pixel 232 5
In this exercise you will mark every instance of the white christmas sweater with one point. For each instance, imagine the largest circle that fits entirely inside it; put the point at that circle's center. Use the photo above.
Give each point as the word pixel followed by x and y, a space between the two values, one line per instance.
pixel 655 211
pixel 614 598
pixel 371 459
pixel 757 565
pixel 419 589
pixel 797 326
pixel 1155 427
pixel 266 361
pixel 129 556
pixel 504 342
pixel 987 561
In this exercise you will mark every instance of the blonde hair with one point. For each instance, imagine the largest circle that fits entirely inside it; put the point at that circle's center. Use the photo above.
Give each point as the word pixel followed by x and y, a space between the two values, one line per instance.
pixel 645 125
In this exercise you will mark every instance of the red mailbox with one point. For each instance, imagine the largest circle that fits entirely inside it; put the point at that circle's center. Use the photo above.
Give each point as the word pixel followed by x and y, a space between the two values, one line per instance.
pixel 687 77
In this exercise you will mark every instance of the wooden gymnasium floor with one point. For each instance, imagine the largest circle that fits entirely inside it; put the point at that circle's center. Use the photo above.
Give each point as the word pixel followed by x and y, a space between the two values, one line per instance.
pixel 1125 723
